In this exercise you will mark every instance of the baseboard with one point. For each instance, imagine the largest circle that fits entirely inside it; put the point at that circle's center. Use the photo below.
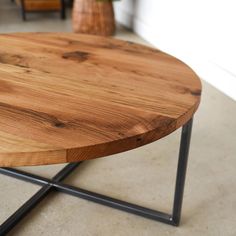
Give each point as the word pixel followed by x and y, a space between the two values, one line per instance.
pixel 124 17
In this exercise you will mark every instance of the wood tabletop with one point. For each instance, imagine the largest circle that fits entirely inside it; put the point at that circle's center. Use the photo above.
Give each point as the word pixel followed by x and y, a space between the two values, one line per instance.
pixel 66 97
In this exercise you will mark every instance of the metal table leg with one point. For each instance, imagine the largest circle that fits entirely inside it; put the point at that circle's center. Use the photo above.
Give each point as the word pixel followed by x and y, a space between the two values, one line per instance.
pixel 55 184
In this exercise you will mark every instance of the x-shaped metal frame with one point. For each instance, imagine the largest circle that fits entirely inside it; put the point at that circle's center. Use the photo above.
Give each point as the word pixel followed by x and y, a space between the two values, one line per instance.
pixel 49 185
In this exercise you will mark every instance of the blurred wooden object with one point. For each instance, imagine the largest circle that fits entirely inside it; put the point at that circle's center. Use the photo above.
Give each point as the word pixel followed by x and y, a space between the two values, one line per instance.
pixel 93 17
pixel 42 5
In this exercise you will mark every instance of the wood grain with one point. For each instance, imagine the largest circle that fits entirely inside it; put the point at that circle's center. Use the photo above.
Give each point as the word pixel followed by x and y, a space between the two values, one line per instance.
pixel 93 17
pixel 69 97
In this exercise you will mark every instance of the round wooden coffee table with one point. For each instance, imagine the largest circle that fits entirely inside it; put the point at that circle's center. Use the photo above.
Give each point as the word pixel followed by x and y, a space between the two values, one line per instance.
pixel 69 98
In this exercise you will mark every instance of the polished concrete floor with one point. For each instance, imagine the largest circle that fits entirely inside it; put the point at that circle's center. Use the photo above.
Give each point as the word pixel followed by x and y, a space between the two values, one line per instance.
pixel 144 176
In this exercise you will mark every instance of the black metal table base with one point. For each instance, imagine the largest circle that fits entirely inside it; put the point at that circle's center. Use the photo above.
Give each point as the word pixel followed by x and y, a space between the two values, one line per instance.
pixel 55 183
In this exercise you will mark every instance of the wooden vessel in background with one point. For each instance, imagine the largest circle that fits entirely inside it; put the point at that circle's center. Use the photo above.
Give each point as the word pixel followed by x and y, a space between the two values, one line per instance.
pixel 93 17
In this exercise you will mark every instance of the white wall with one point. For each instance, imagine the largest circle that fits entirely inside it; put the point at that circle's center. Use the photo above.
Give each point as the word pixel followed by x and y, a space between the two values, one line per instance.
pixel 202 33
